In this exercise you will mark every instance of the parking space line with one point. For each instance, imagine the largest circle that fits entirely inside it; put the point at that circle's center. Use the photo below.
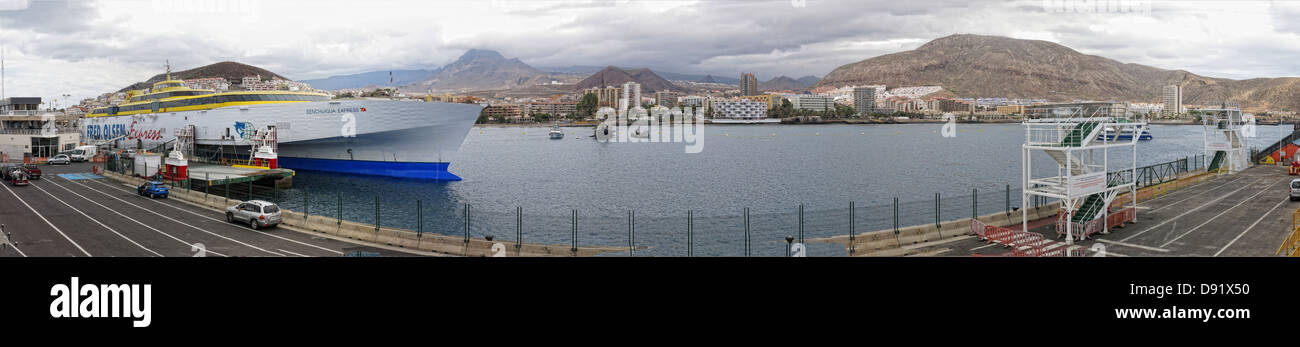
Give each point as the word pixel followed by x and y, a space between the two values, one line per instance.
pixel 128 239
pixel 1252 226
pixel 300 255
pixel 1149 248
pixel 47 221
pixel 175 220
pixel 131 219
pixel 1180 215
pixel 1225 211
pixel 222 221
pixel 1194 195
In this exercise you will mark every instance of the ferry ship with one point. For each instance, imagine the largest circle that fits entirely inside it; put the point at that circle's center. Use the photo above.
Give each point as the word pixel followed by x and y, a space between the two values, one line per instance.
pixel 381 137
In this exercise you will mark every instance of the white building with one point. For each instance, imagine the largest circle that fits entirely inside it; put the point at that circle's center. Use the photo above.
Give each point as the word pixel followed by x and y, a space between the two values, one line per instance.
pixel 811 102
pixel 739 109
pixel 631 93
pixel 1173 99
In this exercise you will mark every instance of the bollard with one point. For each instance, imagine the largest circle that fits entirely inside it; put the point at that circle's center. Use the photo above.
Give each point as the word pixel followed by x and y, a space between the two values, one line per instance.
pixel 376 214
pixel 574 241
pixel 747 251
pixel 974 203
pixel 519 229
pixel 851 228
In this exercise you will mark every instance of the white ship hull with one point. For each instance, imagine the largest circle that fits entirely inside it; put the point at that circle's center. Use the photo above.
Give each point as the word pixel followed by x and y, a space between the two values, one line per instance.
pixel 374 137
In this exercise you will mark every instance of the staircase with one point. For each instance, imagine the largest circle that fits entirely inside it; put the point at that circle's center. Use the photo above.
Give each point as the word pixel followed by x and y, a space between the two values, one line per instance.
pixel 1081 133
pixel 1218 160
pixel 1089 208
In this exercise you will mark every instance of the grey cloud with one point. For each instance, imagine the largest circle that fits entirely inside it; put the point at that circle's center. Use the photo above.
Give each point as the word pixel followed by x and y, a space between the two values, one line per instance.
pixel 50 16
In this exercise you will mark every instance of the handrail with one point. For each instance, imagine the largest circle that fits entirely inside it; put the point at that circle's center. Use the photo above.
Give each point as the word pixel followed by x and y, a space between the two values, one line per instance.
pixel 1288 247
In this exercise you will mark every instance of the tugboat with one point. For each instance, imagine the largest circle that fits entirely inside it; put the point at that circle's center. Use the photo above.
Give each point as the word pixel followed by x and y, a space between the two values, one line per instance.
pixel 555 133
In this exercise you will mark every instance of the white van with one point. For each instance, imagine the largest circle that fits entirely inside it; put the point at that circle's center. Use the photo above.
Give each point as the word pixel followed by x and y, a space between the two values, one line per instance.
pixel 83 153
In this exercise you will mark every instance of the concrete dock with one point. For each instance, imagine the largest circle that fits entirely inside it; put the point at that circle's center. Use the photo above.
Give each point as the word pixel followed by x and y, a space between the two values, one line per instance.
pixel 1243 214
pixel 71 212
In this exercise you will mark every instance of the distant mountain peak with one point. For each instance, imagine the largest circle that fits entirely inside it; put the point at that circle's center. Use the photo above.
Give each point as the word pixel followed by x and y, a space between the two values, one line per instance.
pixel 614 76
pixel 480 54
pixel 782 83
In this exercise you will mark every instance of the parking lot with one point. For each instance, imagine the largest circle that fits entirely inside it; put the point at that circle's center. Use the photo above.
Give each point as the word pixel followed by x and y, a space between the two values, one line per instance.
pixel 72 213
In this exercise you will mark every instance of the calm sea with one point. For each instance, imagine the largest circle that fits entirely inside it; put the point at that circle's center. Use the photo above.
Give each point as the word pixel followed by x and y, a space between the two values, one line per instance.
pixel 769 169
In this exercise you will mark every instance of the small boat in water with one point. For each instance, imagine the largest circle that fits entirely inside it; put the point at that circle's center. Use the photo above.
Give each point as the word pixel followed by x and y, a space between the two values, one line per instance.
pixel 1124 135
pixel 556 133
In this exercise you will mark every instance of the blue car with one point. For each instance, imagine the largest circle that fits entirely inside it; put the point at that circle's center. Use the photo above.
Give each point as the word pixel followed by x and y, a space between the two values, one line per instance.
pixel 152 189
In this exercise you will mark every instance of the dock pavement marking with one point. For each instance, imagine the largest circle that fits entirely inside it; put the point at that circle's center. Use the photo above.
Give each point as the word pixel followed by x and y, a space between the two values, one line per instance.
pixel 1194 195
pixel 177 221
pixel 132 219
pixel 1189 231
pixel 1252 225
pixel 47 221
pixel 1149 248
pixel 65 203
pixel 1188 211
pixel 300 255
pixel 224 222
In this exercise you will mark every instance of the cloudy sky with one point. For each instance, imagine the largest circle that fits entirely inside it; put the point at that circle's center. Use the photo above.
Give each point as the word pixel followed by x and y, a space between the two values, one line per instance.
pixel 84 48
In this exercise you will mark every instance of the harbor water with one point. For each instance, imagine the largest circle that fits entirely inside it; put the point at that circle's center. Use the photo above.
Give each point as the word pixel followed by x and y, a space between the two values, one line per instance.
pixel 771 170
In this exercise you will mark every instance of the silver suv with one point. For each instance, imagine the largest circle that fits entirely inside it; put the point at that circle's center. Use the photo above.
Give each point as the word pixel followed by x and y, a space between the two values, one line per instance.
pixel 256 213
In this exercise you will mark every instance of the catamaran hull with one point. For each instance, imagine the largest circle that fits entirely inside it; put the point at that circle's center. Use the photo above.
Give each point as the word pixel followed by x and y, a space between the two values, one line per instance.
pixel 407 139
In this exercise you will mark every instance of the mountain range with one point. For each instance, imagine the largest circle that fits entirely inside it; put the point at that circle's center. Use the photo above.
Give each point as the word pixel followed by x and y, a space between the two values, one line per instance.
pixel 231 71
pixel 993 66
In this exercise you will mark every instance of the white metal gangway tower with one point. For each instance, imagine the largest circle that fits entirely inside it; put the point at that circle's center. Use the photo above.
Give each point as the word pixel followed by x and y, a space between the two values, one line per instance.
pixel 1225 139
pixel 1080 138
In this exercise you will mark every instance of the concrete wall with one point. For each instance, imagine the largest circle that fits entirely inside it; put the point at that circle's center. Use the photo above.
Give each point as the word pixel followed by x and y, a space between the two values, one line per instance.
pixel 886 243
pixel 389 236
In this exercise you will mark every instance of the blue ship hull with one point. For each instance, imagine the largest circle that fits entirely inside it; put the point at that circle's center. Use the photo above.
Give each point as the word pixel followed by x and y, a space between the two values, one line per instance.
pixel 434 171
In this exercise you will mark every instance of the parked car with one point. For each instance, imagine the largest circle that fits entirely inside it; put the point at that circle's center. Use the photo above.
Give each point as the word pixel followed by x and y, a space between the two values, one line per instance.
pixel 256 213
pixel 152 189
pixel 61 159
pixel 1295 189
pixel 129 154
pixel 15 175
pixel 33 171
